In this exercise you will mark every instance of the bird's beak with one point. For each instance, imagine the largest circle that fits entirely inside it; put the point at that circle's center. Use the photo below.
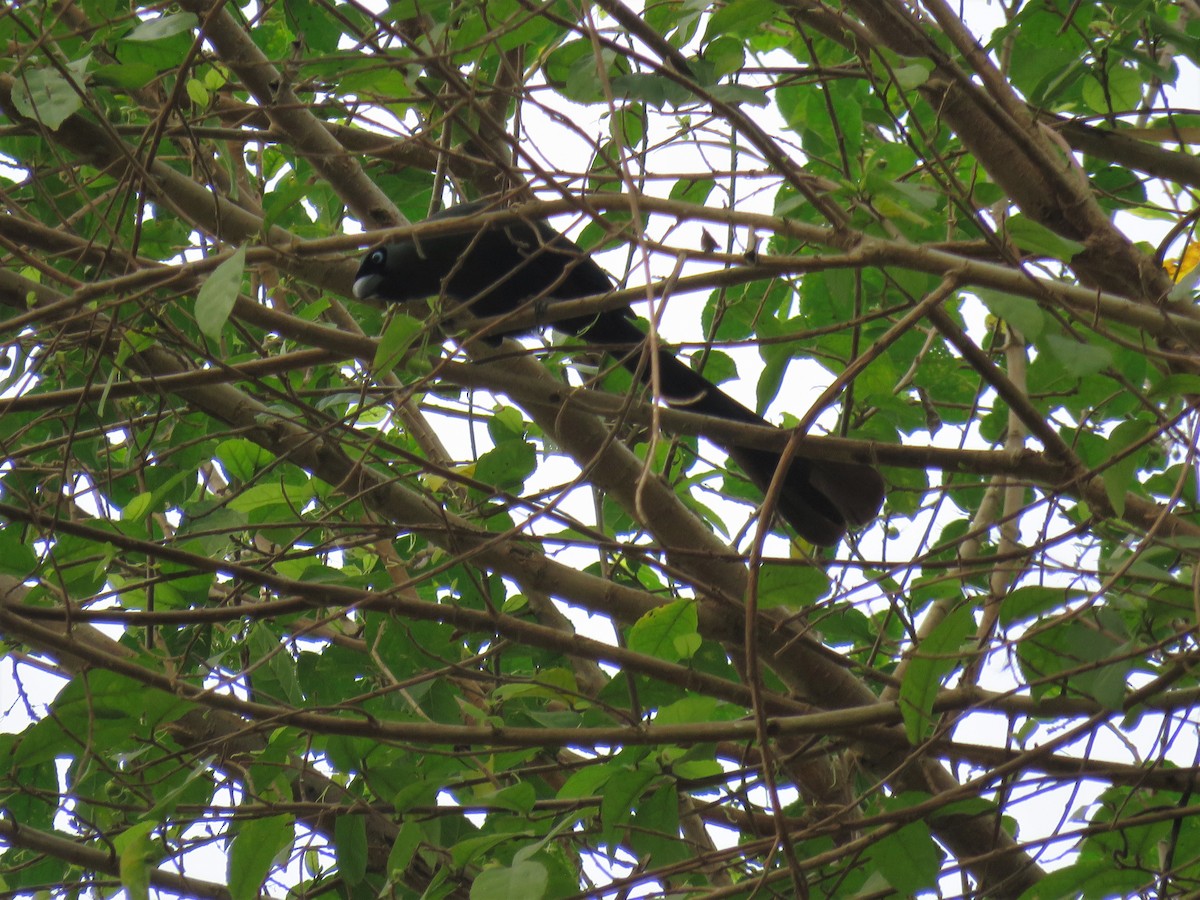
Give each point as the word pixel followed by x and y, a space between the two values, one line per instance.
pixel 366 286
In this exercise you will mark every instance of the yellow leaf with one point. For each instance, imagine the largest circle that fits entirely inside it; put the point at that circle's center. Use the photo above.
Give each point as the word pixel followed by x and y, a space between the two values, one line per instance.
pixel 1177 269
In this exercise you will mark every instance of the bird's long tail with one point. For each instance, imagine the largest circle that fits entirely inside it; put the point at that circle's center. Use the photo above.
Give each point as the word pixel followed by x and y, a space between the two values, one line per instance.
pixel 819 498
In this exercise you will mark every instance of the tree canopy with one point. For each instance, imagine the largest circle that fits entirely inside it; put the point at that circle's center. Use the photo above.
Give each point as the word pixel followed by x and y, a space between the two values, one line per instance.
pixel 311 596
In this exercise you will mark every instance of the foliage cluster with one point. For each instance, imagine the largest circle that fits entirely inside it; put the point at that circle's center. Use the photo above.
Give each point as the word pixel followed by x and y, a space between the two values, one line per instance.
pixel 306 574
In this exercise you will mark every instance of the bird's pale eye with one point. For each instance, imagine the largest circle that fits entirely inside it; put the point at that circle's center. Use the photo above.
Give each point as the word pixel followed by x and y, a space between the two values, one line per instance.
pixel 378 256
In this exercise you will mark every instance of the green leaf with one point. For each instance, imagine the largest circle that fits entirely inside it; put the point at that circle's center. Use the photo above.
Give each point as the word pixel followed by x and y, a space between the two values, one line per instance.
pixel 1021 313
pixel 908 858
pixel 791 586
pixel 621 793
pixel 128 76
pixel 219 293
pixel 1121 476
pixel 519 798
pixel 902 201
pixel 275 671
pixel 312 23
pixel 419 793
pixel 719 367
pixel 197 92
pixel 1072 655
pixel 572 68
pixel 687 645
pixel 692 190
pixel 727 56
pixel 653 90
pixel 936 656
pixel 689 709
pixel 1035 238
pixel 1175 385
pixel 913 75
pixel 741 18
pixel 477 847
pixel 628 125
pixel 350 846
pixel 138 507
pixel 163 27
pixel 1089 879
pixel 1120 91
pixel 272 495
pixel 736 94
pixel 97 704
pixel 197 777
pixel 253 850
pixel 136 854
pixel 655 831
pixel 1078 359
pixel 243 459
pixel 399 335
pixel 507 465
pixel 527 879
pixel 404 847
pixel 1030 602
pixel 771 379
pixel 552 683
pixel 657 632
pixel 17 558
pixel 45 95
pixel 586 782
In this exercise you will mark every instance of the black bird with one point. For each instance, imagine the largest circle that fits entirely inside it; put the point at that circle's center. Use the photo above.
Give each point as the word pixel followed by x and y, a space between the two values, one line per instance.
pixel 498 268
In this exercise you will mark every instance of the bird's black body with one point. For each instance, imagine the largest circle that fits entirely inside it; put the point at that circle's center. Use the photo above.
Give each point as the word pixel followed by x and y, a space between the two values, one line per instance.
pixel 499 268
